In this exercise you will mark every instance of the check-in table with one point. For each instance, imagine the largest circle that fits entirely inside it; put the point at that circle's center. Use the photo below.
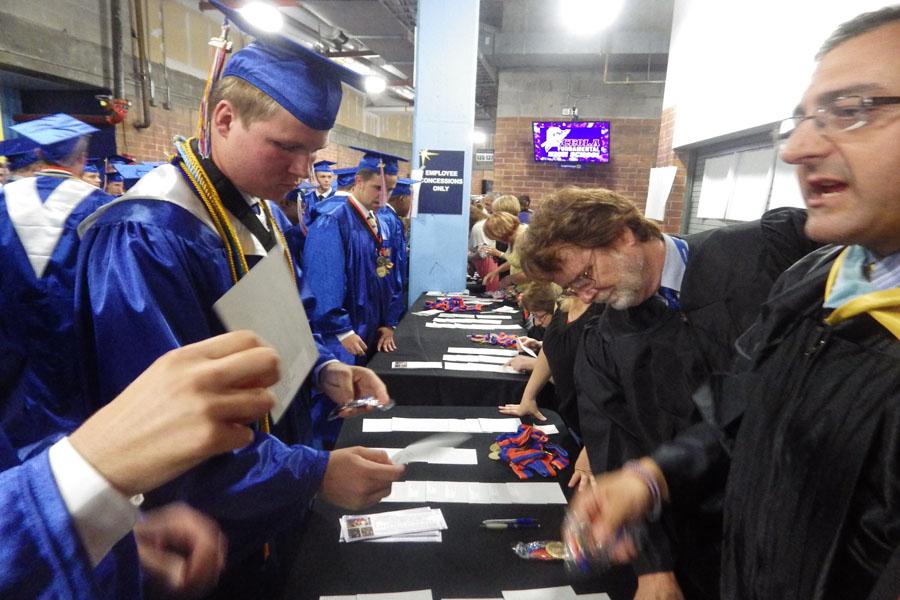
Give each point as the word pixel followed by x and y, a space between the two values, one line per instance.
pixel 417 342
pixel 470 562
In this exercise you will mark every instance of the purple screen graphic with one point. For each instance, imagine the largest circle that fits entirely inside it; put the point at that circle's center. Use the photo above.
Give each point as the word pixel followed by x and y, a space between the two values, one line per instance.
pixel 579 141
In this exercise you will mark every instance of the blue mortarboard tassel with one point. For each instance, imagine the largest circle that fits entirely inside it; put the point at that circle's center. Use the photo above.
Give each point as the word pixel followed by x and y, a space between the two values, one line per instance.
pixel 57 135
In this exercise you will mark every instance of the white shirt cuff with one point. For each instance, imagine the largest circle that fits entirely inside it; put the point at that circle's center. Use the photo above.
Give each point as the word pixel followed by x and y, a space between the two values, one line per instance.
pixel 343 336
pixel 102 516
pixel 319 368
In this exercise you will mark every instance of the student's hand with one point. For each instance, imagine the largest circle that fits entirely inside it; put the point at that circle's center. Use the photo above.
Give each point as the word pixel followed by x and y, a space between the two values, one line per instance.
pixel 182 552
pixel 528 406
pixel 491 251
pixel 354 345
pixel 358 477
pixel 523 364
pixel 531 343
pixel 343 383
pixel 658 586
pixel 582 477
pixel 386 341
pixel 190 404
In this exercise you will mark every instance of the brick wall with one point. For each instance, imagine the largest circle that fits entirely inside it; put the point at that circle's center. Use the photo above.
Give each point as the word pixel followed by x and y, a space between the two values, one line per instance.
pixel 633 149
pixel 666 157
pixel 155 142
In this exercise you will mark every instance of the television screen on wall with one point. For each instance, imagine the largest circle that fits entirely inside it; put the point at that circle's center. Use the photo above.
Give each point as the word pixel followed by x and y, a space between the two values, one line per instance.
pixel 571 141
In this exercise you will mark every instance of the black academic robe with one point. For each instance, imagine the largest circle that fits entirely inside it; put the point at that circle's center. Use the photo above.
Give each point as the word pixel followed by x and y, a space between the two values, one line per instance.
pixel 812 508
pixel 640 368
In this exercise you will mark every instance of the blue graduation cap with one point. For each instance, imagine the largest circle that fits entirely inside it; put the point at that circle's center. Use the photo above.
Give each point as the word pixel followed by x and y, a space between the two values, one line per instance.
pixel 346 176
pixel 114 177
pixel 404 187
pixel 323 166
pixel 374 161
pixel 57 135
pixel 118 159
pixel 19 152
pixel 305 83
pixel 92 165
pixel 306 186
pixel 130 174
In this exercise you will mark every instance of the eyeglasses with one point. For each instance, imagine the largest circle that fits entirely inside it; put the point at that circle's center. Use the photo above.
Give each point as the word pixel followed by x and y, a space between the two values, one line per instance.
pixel 586 279
pixel 845 113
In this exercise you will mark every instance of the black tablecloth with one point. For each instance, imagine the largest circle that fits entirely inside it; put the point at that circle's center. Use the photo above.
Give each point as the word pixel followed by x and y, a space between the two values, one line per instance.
pixel 469 562
pixel 416 342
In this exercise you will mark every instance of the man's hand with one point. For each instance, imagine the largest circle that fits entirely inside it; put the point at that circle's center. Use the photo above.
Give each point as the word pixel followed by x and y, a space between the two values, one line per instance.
pixel 181 550
pixel 616 499
pixel 386 341
pixel 354 345
pixel 528 406
pixel 582 477
pixel 190 404
pixel 343 383
pixel 658 586
pixel 524 364
pixel 358 477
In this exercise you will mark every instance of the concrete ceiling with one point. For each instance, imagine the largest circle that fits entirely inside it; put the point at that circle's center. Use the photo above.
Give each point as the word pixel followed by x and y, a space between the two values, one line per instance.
pixel 514 34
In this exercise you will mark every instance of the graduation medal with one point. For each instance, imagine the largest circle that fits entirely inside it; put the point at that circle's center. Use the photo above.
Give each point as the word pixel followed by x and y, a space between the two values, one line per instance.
pixel 383 263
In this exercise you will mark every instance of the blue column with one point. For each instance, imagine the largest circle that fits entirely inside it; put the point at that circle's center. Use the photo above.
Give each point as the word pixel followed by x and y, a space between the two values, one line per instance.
pixel 444 118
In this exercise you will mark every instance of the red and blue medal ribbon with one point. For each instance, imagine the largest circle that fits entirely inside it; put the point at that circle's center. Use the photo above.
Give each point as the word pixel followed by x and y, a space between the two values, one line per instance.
pixel 501 339
pixel 452 305
pixel 529 452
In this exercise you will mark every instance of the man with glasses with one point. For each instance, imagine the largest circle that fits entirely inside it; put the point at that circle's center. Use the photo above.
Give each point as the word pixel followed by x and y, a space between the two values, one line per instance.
pixel 810 418
pixel 675 307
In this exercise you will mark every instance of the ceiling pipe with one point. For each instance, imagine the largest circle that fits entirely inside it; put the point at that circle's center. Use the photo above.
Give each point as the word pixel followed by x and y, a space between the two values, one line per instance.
pixel 142 65
pixel 115 14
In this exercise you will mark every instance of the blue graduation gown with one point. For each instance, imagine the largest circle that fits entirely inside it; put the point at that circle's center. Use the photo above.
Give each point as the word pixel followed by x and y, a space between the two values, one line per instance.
pixel 399 276
pixel 41 555
pixel 327 205
pixel 38 251
pixel 150 269
pixel 339 262
pixel 310 202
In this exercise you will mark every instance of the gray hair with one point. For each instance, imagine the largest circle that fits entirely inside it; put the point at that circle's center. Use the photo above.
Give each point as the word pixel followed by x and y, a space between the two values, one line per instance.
pixel 858 25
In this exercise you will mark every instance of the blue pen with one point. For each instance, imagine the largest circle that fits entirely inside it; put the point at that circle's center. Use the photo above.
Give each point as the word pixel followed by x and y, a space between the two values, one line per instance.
pixel 520 523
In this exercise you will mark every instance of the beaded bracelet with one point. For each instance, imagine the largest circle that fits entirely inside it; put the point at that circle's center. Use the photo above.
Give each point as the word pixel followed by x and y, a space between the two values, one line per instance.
pixel 647 477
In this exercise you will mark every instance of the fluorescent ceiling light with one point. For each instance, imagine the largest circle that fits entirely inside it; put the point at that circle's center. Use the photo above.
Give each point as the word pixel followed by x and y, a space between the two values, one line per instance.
pixel 262 15
pixel 375 84
pixel 479 137
pixel 588 16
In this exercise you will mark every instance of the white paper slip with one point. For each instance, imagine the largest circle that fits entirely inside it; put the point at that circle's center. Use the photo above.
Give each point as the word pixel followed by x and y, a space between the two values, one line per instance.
pixel 471 598
pixel 478 315
pixel 432 537
pixel 506 309
pixel 416 364
pixel 535 492
pixel 350 597
pixel 470 366
pixel 469 321
pixel 425 449
pixel 416 595
pixel 548 429
pixel 492 351
pixel 564 592
pixel 594 596
pixel 494 360
pixel 439 456
pixel 271 283
pixel 500 425
pixel 407 491
pixel 377 426
pixel 356 528
pixel 478 326
pixel 410 424
pixel 474 492
pixel 447 491
pixel 466 425
pixel 427 313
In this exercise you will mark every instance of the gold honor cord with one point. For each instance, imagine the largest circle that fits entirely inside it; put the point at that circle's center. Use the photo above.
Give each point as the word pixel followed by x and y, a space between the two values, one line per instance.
pixel 882 305
pixel 206 191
